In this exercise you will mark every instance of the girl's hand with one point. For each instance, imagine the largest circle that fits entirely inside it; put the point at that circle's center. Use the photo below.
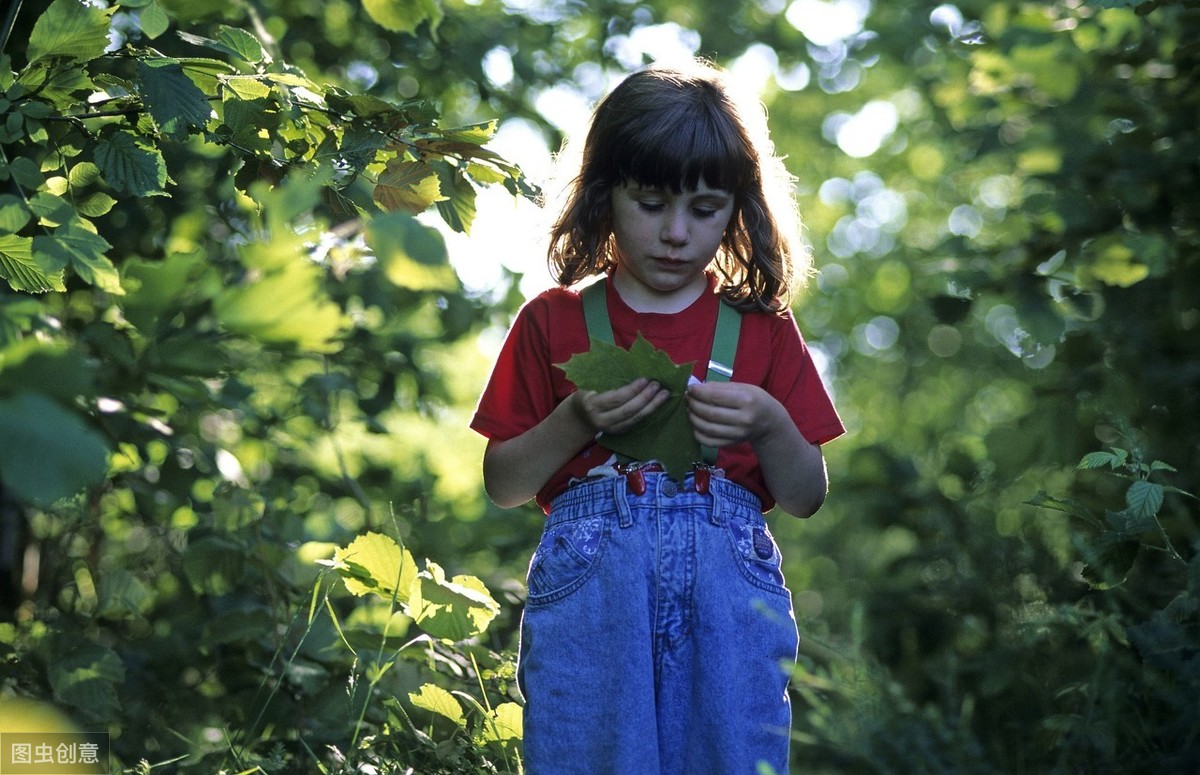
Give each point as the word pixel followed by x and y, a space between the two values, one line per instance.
pixel 724 413
pixel 619 410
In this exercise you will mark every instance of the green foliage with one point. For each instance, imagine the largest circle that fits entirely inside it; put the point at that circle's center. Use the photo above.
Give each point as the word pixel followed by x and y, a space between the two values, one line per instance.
pixel 229 349
pixel 666 435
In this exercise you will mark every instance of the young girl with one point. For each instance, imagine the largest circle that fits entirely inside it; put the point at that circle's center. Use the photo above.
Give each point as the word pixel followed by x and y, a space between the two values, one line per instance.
pixel 658 633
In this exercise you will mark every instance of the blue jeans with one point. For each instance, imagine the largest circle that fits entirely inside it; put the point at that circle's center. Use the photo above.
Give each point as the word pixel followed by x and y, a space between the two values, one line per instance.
pixel 658 634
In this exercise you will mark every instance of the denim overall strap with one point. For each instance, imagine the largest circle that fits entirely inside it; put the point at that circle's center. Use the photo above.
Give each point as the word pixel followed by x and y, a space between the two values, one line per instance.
pixel 724 347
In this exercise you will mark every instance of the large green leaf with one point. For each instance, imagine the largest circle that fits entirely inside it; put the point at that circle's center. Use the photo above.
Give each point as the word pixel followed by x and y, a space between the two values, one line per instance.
pixel 70 29
pixel 84 251
pixel 53 369
pixel 404 15
pixel 437 700
pixel 131 167
pixel 283 304
pixel 26 271
pixel 174 101
pixel 48 451
pixel 407 186
pixel 232 41
pixel 376 563
pixel 453 609
pixel 666 435
pixel 86 675
pixel 412 254
pixel 458 207
pixel 14 214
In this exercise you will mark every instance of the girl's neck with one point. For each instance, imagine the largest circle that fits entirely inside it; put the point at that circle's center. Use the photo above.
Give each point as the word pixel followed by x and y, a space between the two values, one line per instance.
pixel 641 298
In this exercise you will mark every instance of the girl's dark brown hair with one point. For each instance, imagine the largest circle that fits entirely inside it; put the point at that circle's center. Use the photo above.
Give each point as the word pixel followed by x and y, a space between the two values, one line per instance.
pixel 672 128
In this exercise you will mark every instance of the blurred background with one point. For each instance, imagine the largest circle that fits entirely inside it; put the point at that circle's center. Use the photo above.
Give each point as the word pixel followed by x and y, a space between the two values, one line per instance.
pixel 1002 199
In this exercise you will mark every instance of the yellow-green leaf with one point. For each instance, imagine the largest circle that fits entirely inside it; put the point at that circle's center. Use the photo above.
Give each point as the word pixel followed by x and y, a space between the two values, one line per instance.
pixel 504 724
pixel 456 609
pixel 437 700
pixel 404 15
pixel 407 186
pixel 376 563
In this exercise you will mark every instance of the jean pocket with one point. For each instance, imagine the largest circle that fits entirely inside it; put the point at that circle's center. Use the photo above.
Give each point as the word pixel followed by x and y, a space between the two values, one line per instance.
pixel 758 555
pixel 564 558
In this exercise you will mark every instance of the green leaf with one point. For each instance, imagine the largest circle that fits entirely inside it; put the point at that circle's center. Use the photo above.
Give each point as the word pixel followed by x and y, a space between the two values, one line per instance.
pixel 130 167
pixel 1144 499
pixel 48 452
pixel 376 563
pixel 14 215
pixel 504 724
pixel 53 370
pixel 1099 460
pixel 407 186
pixel 247 87
pixel 174 101
pixel 454 610
pixel 666 435
pixel 215 564
pixel 70 29
pixel 95 205
pixel 153 20
pixel 122 594
pixel 85 675
pixel 1109 560
pixel 51 209
pixel 458 207
pixel 232 41
pixel 284 305
pixel 83 250
pixel 437 700
pixel 1044 500
pixel 412 254
pixel 26 272
pixel 404 16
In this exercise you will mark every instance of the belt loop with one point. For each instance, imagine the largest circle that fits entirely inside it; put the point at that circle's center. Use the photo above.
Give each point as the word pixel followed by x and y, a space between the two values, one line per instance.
pixel 620 498
pixel 717 515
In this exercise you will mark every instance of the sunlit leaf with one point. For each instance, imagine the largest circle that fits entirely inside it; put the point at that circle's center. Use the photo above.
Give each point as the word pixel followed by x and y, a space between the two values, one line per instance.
pixel 503 724
pixel 25 271
pixel 70 29
pixel 453 609
pixel 247 87
pixel 284 304
pixel 172 98
pixel 457 208
pixel 407 186
pixel 84 251
pixel 404 15
pixel 437 700
pixel 412 254
pixel 376 563
pixel 153 20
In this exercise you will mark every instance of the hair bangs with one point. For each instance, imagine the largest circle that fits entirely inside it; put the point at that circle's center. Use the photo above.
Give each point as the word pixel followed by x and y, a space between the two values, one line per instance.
pixel 676 147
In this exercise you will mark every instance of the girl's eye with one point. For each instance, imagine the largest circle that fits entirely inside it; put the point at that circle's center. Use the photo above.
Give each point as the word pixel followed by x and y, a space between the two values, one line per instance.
pixel 650 207
pixel 704 213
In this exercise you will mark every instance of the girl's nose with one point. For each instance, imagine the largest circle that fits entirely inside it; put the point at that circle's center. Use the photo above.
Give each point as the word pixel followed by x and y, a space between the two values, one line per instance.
pixel 675 229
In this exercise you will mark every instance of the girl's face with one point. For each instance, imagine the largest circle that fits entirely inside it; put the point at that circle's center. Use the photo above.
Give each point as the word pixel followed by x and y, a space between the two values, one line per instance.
pixel 664 242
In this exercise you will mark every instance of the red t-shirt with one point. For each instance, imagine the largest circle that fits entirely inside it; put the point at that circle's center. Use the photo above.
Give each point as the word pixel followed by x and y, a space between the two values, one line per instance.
pixel 526 385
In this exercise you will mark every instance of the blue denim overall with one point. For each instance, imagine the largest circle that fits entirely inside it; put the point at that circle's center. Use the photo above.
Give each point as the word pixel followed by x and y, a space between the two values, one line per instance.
pixel 658 634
